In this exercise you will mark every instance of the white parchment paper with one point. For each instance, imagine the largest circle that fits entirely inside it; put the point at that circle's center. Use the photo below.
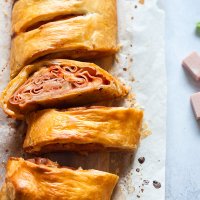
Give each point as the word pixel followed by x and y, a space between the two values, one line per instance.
pixel 140 64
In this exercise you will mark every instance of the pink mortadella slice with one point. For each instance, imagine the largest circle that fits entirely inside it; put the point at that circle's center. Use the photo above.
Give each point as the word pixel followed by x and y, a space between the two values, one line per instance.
pixel 192 64
pixel 195 101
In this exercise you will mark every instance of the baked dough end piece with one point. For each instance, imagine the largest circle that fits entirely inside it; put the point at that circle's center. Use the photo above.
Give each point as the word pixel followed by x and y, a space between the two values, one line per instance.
pixel 83 130
pixel 38 179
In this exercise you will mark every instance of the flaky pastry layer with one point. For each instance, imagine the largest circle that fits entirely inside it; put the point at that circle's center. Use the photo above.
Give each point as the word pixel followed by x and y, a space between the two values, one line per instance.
pixel 84 129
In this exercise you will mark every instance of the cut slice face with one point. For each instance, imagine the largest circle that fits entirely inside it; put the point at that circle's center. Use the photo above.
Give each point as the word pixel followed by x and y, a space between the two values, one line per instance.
pixel 56 81
pixel 59 83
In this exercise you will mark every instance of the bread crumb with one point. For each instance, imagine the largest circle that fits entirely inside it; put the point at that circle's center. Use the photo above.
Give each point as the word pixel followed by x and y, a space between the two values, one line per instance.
pixel 141 2
pixel 5 13
pixel 145 131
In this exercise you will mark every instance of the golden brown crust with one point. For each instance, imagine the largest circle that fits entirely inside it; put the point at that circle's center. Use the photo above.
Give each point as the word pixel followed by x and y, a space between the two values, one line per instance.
pixel 91 129
pixel 79 97
pixel 90 31
pixel 32 181
pixel 27 13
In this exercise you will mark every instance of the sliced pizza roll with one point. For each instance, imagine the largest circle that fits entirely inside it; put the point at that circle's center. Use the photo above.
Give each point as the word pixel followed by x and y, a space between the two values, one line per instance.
pixel 62 29
pixel 83 129
pixel 58 83
pixel 40 178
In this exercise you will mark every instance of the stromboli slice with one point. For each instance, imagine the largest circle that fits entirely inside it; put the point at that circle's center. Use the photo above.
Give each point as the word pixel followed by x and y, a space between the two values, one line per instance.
pixel 58 83
pixel 40 178
pixel 89 31
pixel 83 129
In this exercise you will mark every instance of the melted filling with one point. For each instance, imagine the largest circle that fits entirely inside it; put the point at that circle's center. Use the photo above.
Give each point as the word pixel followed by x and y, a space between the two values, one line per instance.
pixel 56 81
pixel 43 161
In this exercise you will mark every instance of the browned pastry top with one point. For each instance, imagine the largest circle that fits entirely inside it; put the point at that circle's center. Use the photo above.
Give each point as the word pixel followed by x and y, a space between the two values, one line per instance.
pixel 39 179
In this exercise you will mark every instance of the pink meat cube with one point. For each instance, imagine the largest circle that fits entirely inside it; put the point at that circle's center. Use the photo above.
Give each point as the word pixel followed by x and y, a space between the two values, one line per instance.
pixel 192 64
pixel 195 101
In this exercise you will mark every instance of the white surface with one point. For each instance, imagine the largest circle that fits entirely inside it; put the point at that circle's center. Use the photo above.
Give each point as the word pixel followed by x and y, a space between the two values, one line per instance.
pixel 142 40
pixel 183 135
pixel 148 70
